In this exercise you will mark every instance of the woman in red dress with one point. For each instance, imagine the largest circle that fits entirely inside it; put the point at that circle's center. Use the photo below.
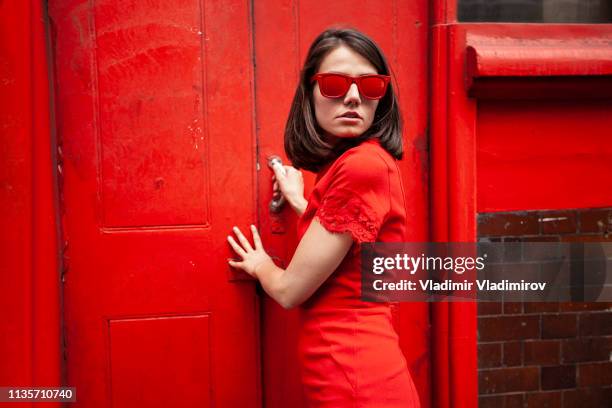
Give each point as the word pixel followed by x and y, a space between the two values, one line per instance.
pixel 345 125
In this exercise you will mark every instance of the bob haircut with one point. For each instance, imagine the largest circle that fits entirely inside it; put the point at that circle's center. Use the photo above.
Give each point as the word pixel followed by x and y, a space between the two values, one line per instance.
pixel 304 142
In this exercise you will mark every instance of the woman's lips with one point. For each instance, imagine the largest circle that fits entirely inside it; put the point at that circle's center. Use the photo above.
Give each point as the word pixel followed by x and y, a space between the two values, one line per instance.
pixel 349 119
pixel 350 114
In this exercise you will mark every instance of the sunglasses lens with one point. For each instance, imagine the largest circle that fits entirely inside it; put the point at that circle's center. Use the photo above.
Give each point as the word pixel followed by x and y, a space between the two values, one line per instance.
pixel 333 86
pixel 373 87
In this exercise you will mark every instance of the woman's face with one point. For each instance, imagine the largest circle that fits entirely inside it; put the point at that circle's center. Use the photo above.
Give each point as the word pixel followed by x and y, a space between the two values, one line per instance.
pixel 329 111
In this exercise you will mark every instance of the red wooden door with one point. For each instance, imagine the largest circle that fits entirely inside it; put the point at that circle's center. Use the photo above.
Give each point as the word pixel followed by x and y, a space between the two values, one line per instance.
pixel 154 111
pixel 283 31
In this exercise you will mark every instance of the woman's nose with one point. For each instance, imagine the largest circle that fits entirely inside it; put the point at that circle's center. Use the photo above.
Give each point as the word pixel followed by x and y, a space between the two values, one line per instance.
pixel 353 94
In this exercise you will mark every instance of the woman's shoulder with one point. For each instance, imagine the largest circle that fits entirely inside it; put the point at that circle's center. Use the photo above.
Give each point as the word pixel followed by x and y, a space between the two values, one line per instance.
pixel 360 167
pixel 365 163
pixel 369 157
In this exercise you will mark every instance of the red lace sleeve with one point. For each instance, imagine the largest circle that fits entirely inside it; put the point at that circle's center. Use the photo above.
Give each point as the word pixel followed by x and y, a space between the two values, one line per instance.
pixel 357 199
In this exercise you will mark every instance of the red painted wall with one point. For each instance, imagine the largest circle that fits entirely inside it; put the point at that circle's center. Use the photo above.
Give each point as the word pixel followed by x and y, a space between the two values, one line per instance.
pixel 30 352
pixel 544 154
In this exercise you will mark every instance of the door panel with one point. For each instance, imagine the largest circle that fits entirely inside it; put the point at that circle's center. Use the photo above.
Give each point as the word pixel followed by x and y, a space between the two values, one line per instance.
pixel 283 31
pixel 179 344
pixel 154 106
pixel 151 114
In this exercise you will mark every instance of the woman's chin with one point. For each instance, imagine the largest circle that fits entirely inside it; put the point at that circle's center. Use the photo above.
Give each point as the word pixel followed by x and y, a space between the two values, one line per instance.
pixel 338 134
pixel 347 133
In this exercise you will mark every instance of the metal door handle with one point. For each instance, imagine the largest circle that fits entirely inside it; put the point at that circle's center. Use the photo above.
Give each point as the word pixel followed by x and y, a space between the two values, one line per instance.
pixel 277 202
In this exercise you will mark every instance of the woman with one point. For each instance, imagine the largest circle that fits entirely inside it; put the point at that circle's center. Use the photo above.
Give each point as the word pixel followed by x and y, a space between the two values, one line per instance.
pixel 345 125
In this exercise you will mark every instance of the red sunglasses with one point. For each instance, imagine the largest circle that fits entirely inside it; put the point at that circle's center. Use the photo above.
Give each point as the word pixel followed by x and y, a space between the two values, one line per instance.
pixel 333 85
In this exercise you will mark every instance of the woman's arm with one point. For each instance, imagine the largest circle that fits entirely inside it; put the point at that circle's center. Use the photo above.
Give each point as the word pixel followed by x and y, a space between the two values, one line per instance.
pixel 318 254
pixel 359 190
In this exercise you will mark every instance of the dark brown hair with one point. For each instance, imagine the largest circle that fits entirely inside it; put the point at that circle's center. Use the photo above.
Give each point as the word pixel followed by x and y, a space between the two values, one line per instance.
pixel 304 143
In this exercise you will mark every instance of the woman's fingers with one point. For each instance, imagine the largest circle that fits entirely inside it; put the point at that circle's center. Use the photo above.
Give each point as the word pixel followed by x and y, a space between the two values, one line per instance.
pixel 243 240
pixel 292 170
pixel 256 238
pixel 235 264
pixel 279 172
pixel 236 247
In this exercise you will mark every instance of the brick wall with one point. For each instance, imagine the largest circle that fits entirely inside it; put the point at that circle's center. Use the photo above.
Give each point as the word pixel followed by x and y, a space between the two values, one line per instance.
pixel 545 354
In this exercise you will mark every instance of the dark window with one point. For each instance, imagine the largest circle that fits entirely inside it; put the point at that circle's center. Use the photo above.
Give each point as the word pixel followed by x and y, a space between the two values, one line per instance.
pixel 536 11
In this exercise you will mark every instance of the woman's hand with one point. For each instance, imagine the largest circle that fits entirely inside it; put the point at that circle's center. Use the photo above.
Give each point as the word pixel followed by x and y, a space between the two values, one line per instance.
pixel 291 186
pixel 251 258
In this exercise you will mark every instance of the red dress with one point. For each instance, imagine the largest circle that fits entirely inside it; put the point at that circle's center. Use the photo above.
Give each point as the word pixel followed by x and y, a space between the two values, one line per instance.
pixel 349 350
